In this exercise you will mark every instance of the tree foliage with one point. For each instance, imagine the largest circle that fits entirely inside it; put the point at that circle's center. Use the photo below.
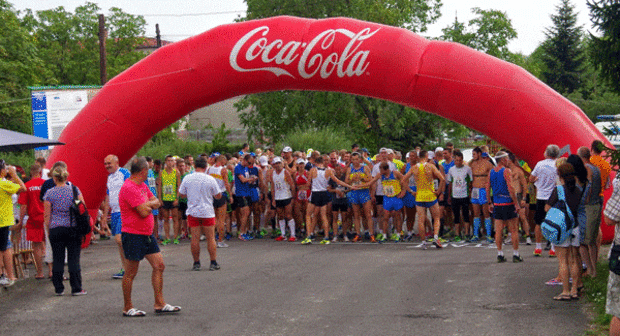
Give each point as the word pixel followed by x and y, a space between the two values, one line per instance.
pixel 605 51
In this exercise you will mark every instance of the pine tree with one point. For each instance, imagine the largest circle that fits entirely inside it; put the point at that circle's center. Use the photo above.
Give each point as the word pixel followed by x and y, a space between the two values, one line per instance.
pixel 605 50
pixel 563 54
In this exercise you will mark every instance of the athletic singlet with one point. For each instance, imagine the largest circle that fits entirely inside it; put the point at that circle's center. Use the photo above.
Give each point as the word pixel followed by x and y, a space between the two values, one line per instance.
pixel 426 189
pixel 301 179
pixel 282 190
pixel 358 172
pixel 391 186
pixel 500 188
pixel 411 178
pixel 319 183
pixel 169 185
pixel 216 173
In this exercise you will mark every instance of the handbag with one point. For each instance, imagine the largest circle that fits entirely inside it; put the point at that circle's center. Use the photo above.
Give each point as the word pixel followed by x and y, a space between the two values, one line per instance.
pixel 79 215
pixel 559 221
pixel 614 259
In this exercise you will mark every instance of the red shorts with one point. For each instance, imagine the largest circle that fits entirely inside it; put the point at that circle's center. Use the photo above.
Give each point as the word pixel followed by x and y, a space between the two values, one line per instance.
pixel 35 232
pixel 196 222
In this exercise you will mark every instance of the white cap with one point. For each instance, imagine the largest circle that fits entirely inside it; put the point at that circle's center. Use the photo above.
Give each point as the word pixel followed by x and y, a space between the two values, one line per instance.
pixel 383 150
pixel 276 159
pixel 431 155
pixel 300 160
pixel 287 149
pixel 439 149
pixel 407 155
pixel 263 160
pixel 390 151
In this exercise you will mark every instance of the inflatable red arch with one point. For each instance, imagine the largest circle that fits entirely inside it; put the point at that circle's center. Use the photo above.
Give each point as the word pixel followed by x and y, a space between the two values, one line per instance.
pixel 479 91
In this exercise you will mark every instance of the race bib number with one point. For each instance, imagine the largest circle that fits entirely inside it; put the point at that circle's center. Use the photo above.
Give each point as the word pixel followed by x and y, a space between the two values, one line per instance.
pixel 278 186
pixel 302 195
pixel 388 190
pixel 475 193
pixel 356 183
pixel 168 190
pixel 152 183
pixel 436 184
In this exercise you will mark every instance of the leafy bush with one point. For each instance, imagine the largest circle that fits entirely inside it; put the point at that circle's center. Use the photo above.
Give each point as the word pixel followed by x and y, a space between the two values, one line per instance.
pixel 323 140
pixel 24 159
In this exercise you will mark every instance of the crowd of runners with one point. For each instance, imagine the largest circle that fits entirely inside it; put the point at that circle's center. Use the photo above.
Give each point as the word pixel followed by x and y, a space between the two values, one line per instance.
pixel 350 196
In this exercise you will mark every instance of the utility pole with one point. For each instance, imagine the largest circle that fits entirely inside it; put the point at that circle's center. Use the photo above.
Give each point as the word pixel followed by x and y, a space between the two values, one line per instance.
pixel 157 35
pixel 103 72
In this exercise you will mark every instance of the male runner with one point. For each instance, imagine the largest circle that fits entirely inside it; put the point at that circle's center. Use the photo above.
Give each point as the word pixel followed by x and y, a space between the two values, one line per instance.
pixel 340 203
pixel 220 174
pixel 480 168
pixel 282 190
pixel 545 177
pixel 152 182
pixel 116 178
pixel 376 190
pixel 169 180
pixel 183 171
pixel 505 205
pixel 243 194
pixel 394 188
pixel 201 190
pixel 519 183
pixel 459 178
pixel 427 195
pixel 409 198
pixel 444 206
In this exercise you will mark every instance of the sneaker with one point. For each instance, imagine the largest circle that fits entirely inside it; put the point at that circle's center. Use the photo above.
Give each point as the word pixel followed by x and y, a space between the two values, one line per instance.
pixel 196 267
pixel 263 233
pixel 372 239
pixel 292 239
pixel 59 294
pixel 82 292
pixel 474 239
pixel 281 238
pixel 383 239
pixel 203 237
pixel 335 240
pixel 537 252
pixel 119 275
pixel 325 241
pixel 395 237
pixel 528 241
pixel 516 259
pixel 176 241
pixel 222 244
pixel 306 241
pixel 379 236
pixel 214 267
pixel 437 243
pixel 508 239
pixel 490 240
pixel 409 237
pixel 443 241
pixel 357 239
pixel 457 239
pixel 228 236
pixel 165 242
pixel 424 246
pixel 5 282
pixel 551 254
pixel 366 235
pixel 243 237
pixel 501 259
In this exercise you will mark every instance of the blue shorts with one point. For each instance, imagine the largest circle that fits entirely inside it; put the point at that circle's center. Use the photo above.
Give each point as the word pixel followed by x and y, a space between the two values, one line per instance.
pixel 359 196
pixel 409 199
pixel 155 212
pixel 115 223
pixel 136 246
pixel 482 196
pixel 255 196
pixel 392 203
pixel 426 204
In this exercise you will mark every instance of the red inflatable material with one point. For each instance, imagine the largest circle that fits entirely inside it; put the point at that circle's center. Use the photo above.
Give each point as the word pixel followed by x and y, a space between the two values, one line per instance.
pixel 287 53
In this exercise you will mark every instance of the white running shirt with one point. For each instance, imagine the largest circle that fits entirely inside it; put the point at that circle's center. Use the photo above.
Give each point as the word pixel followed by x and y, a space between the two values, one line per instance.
pixel 200 189
pixel 282 190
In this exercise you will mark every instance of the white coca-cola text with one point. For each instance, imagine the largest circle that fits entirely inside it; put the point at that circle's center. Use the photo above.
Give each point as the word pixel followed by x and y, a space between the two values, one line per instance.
pixel 275 55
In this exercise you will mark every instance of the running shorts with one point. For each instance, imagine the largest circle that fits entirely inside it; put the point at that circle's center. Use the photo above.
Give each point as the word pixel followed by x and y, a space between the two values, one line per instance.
pixel 168 205
pixel 460 205
pixel 218 203
pixel 115 223
pixel 242 201
pixel 426 204
pixel 379 199
pixel 320 198
pixel 479 196
pixel 283 203
pixel 359 196
pixel 540 214
pixel 34 231
pixel 196 221
pixel 183 209
pixel 392 203
pixel 340 206
pixel 504 212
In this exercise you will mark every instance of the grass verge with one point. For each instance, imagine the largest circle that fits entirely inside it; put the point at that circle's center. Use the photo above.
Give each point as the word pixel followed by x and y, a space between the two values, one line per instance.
pixel 596 294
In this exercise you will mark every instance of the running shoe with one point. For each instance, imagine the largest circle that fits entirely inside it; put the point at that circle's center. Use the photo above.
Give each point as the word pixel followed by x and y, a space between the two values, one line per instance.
pixel 382 240
pixel 6 282
pixel 335 240
pixel 263 233
pixel 165 242
pixel 457 239
pixel 424 247
pixel 372 239
pixel 528 241
pixel 501 259
pixel 203 238
pixel 537 252
pixel 176 241
pixel 395 237
pixel 437 243
pixel 551 254
pixel 196 267
pixel 119 275
pixel 214 267
pixel 366 235
pixel 517 259
pixel 443 241
pixel 222 244
pixel 306 241
pixel 357 239
pixel 409 237
pixel 553 282
pixel 474 239
pixel 490 240
pixel 379 236
pixel 346 238
pixel 243 237
pixel 228 236
pixel 325 241
pixel 292 239
pixel 508 239
pixel 281 238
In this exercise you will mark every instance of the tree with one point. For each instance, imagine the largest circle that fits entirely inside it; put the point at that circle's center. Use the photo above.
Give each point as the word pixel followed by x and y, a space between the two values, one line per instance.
pixel 371 122
pixel 605 50
pixel 563 53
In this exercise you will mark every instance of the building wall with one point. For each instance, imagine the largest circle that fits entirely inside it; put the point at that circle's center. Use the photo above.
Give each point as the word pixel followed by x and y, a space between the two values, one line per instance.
pixel 216 114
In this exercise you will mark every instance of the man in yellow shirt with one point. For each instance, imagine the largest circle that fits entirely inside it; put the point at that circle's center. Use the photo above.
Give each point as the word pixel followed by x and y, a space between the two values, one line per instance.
pixel 8 187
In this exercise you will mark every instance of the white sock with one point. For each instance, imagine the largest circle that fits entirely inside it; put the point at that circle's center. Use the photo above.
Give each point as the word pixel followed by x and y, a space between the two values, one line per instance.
pixel 552 247
pixel 282 223
pixel 538 246
pixel 500 253
pixel 436 237
pixel 515 253
pixel 291 226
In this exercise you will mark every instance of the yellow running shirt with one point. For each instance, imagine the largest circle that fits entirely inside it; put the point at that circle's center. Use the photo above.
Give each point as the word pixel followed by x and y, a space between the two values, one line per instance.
pixel 169 185
pixel 425 187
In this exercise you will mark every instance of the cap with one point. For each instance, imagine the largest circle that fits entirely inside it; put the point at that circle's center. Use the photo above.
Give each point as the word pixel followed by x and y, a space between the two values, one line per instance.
pixel 407 155
pixel 439 149
pixel 383 149
pixel 287 149
pixel 300 160
pixel 253 154
pixel 485 154
pixel 214 154
pixel 431 155
pixel 276 159
pixel 263 160
pixel 364 150
pixel 390 151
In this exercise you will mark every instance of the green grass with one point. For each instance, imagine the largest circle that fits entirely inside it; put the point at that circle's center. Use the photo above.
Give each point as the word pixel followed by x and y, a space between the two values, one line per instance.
pixel 596 294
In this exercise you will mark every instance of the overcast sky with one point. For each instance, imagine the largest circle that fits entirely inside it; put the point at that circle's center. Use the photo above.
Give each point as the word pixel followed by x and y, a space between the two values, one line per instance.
pixel 529 17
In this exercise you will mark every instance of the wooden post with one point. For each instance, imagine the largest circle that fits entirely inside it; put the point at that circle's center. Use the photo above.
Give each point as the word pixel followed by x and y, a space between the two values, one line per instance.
pixel 157 35
pixel 103 73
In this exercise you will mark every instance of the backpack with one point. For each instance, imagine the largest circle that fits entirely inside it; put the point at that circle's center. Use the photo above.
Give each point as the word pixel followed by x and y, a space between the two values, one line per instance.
pixel 559 221
pixel 79 215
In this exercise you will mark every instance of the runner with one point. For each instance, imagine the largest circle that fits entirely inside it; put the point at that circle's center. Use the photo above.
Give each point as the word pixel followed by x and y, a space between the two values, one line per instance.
pixel 459 180
pixel 340 204
pixel 152 182
pixel 282 190
pixel 169 180
pixel 358 174
pixel 426 195
pixel 480 168
pixel 137 204
pixel 32 205
pixel 544 176
pixel 201 191
pixel 220 174
pixel 302 195
pixel 519 183
pixel 111 207
pixel 376 190
pixel 257 207
pixel 409 198
pixel 444 206
pixel 504 204
pixel 243 196
pixel 394 188
pixel 183 171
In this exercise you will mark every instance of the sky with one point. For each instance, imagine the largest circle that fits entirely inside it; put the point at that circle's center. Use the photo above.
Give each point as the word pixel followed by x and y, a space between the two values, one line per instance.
pixel 529 17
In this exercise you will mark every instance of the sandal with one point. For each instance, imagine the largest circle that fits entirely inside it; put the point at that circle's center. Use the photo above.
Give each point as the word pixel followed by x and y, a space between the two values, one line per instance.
pixel 574 297
pixel 553 282
pixel 168 309
pixel 133 312
pixel 563 297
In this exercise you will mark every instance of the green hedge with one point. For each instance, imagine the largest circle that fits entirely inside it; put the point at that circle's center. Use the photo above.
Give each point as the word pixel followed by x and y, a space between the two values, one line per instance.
pixel 159 149
pixel 324 140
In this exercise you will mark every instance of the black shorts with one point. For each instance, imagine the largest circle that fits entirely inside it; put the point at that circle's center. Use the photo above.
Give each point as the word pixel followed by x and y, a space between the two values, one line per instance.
pixel 168 205
pixel 283 203
pixel 504 212
pixel 242 201
pixel 218 203
pixel 340 206
pixel 320 198
pixel 444 203
pixel 183 209
pixel 460 205
pixel 379 199
pixel 136 246
pixel 4 238
pixel 540 214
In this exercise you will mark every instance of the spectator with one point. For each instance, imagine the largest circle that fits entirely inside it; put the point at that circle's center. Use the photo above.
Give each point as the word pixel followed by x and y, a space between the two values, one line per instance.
pixel 44 171
pixel 612 217
pixel 7 189
pixel 32 205
pixel 544 177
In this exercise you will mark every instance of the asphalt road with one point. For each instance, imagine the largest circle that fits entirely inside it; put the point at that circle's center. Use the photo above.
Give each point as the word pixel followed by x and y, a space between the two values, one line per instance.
pixel 280 288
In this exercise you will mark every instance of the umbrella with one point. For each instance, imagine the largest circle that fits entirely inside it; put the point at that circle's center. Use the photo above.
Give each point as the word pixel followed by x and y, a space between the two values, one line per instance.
pixel 11 141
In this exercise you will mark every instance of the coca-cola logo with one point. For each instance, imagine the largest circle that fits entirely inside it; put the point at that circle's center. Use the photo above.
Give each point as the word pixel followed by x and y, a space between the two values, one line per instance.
pixel 277 56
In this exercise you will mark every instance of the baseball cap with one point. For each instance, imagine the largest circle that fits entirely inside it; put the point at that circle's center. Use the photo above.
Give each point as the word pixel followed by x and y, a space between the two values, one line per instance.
pixel 431 155
pixel 439 149
pixel 390 151
pixel 287 149
pixel 485 154
pixel 263 160
pixel 214 154
pixel 276 159
pixel 364 150
pixel 300 160
pixel 383 149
